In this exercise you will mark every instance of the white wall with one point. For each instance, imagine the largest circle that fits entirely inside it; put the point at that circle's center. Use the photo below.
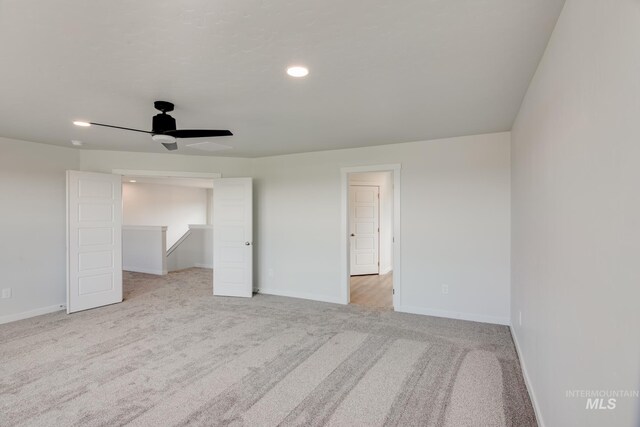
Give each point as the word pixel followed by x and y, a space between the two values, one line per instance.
pixel 107 161
pixel 195 251
pixel 32 226
pixel 386 213
pixel 164 205
pixel 576 216
pixel 144 249
pixel 455 224
pixel 209 206
pixel 385 182
pixel 455 218
pixel 33 213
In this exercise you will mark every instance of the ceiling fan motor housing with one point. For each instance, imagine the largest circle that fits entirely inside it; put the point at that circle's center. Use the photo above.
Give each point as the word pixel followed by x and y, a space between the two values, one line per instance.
pixel 162 123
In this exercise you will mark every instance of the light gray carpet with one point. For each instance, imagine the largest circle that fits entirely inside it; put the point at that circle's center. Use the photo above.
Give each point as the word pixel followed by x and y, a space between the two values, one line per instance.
pixel 171 354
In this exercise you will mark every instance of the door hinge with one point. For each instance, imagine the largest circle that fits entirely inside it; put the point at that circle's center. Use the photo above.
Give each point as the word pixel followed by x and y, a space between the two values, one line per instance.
pixel 394 291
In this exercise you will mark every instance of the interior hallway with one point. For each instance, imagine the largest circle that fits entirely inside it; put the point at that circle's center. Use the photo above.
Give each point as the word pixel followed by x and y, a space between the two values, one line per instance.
pixel 374 290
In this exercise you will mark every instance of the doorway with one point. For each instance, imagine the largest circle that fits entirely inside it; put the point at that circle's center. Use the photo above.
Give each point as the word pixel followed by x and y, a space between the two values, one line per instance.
pixel 94 235
pixel 166 224
pixel 371 233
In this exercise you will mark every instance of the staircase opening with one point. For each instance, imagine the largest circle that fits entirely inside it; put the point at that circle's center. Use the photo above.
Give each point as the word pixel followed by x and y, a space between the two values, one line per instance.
pixel 167 223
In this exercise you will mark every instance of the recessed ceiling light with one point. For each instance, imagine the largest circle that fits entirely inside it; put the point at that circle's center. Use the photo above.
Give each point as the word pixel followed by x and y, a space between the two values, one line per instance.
pixel 132 180
pixel 76 142
pixel 83 124
pixel 297 71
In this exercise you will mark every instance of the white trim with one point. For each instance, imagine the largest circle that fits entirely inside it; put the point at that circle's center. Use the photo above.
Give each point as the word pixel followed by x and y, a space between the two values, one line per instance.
pixel 67 240
pixel 454 315
pixel 178 242
pixel 364 184
pixel 145 227
pixel 344 226
pixel 384 271
pixel 144 270
pixel 166 174
pixel 527 380
pixel 201 226
pixel 300 295
pixel 200 265
pixel 373 168
pixel 31 313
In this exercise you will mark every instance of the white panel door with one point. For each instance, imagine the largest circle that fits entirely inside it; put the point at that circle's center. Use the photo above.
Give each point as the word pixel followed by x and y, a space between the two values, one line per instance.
pixel 94 240
pixel 364 229
pixel 233 237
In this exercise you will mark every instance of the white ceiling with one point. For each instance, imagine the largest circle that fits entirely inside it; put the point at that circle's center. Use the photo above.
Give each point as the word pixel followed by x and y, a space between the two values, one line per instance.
pixel 381 71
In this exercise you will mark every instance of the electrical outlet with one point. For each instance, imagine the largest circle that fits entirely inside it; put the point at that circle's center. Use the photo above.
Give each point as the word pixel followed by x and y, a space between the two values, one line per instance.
pixel 445 289
pixel 519 318
pixel 6 293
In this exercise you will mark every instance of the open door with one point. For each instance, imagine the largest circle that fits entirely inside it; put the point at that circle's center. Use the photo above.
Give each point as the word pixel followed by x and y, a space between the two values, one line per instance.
pixel 94 240
pixel 232 237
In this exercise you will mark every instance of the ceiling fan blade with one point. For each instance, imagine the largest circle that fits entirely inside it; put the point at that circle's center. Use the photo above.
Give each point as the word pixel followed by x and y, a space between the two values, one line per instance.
pixel 170 145
pixel 119 127
pixel 197 133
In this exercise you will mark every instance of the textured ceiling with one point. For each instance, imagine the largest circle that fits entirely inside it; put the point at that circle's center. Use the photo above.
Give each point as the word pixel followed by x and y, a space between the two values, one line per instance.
pixel 381 71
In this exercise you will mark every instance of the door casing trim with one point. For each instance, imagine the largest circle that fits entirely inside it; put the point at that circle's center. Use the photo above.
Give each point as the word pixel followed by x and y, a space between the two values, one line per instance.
pixel 345 273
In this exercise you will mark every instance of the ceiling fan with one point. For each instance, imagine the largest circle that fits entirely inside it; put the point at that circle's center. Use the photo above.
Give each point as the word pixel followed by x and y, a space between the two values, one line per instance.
pixel 163 128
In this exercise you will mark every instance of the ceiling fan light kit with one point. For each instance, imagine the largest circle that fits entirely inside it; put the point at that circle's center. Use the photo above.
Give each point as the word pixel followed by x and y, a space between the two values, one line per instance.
pixel 163 128
pixel 159 137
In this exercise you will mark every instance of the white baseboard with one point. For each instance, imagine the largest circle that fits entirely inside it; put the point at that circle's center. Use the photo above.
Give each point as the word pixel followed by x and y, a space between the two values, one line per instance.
pixel 209 266
pixel 455 315
pixel 527 380
pixel 31 313
pixel 145 270
pixel 385 270
pixel 301 295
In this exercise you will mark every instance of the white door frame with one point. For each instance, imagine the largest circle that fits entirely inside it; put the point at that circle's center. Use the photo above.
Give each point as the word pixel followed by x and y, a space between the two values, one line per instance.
pixel 168 174
pixel 165 174
pixel 345 274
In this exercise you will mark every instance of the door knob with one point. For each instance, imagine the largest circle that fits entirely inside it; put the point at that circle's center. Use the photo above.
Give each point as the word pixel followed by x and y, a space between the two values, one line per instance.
pixel 247 243
pixel 353 235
